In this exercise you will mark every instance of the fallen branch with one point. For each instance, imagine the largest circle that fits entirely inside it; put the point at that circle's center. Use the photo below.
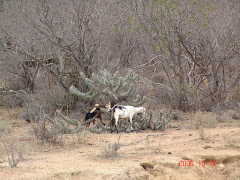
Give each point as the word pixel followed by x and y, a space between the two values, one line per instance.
pixel 112 149
pixel 140 140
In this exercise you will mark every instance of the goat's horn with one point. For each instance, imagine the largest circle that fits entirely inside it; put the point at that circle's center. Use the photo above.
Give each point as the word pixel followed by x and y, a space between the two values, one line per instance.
pixel 93 110
pixel 108 106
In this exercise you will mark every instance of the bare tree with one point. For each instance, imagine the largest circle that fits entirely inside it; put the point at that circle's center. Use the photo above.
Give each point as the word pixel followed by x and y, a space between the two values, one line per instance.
pixel 193 48
pixel 52 42
pixel 193 45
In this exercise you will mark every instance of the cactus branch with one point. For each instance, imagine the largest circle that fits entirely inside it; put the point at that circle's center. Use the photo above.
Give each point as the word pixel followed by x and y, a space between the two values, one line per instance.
pixel 112 86
pixel 102 126
pixel 139 103
pixel 96 130
pixel 64 123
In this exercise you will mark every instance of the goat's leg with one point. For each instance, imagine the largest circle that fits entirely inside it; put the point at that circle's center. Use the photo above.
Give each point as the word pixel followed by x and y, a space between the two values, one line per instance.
pixel 116 123
pixel 112 124
pixel 131 123
pixel 100 117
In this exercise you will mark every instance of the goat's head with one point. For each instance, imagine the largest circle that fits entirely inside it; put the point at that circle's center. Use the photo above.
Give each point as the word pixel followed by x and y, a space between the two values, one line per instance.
pixel 109 106
pixel 94 109
pixel 92 113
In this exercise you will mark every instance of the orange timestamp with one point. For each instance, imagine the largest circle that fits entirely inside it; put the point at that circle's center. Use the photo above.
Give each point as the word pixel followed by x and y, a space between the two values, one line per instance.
pixel 192 163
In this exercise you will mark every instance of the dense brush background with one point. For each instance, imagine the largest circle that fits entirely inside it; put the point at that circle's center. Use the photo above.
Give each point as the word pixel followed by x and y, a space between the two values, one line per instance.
pixel 182 55
pixel 185 54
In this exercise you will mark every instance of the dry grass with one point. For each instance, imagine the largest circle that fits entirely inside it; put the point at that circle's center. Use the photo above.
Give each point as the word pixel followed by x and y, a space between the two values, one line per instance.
pixel 203 119
pixel 11 150
pixel 83 147
pixel 231 142
pixel 158 148
pixel 203 135
pixel 82 137
pixel 2 152
pixel 76 140
pixel 4 127
pixel 110 151
pixel 153 145
pixel 221 159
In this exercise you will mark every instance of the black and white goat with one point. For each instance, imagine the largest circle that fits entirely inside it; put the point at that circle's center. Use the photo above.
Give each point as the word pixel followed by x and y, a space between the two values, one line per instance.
pixel 119 111
pixel 94 113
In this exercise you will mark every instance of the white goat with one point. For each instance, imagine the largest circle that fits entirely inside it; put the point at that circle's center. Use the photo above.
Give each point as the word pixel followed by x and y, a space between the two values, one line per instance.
pixel 120 111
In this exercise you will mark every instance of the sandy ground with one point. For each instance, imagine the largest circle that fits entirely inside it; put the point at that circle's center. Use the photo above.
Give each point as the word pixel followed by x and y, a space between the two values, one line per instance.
pixel 161 155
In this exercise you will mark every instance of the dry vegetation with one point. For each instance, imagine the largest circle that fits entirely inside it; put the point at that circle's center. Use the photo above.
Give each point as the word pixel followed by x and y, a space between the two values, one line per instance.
pixel 138 155
pixel 180 58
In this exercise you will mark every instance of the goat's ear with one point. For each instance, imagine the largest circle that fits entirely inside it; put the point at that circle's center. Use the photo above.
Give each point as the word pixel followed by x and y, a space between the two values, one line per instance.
pixel 93 110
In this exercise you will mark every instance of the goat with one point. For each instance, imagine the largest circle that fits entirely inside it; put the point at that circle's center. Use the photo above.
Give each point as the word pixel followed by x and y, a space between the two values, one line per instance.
pixel 97 112
pixel 94 112
pixel 119 111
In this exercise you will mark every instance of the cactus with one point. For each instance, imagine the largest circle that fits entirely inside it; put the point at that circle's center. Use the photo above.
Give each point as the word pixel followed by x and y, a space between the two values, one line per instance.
pixel 116 88
pixel 60 127
pixel 102 126
pixel 161 124
pixel 154 125
pixel 143 123
pixel 136 126
pixel 74 122
pixel 148 120
pixel 112 88
pixel 96 130
pixel 64 122
pixel 121 127
pixel 99 128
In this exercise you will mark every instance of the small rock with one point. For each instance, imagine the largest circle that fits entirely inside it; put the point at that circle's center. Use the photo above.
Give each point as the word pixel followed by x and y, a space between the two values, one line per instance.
pixel 169 153
pixel 147 166
pixel 206 147
pixel 221 167
pixel 128 130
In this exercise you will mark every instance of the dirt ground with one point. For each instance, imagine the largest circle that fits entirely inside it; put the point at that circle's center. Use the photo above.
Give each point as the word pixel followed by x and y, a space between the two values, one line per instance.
pixel 209 153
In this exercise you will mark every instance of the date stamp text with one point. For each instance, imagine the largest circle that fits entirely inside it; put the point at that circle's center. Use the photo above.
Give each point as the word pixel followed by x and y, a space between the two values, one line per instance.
pixel 199 163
